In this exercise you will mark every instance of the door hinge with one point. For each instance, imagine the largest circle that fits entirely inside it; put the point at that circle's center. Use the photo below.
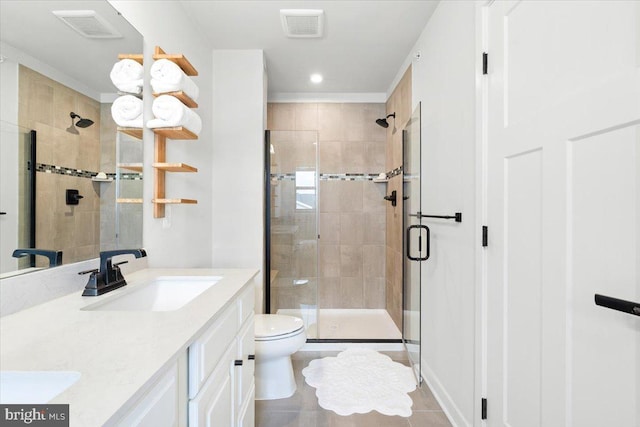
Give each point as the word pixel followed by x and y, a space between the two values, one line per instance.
pixel 485 236
pixel 485 63
pixel 484 408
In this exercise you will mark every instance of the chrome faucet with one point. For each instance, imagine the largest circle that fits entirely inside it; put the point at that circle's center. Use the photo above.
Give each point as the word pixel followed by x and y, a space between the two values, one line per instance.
pixel 109 276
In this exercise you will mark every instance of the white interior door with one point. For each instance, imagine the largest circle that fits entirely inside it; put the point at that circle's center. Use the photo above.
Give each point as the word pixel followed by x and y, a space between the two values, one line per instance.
pixel 563 213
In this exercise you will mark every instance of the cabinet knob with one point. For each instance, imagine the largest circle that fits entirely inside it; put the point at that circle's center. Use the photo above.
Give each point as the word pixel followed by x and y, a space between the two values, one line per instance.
pixel 238 363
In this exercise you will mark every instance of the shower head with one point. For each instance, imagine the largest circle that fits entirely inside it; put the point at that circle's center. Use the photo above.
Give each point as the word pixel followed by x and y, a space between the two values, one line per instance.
pixel 383 122
pixel 82 123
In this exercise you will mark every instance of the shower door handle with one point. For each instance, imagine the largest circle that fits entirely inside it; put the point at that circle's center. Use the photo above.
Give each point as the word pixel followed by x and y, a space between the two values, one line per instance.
pixel 418 258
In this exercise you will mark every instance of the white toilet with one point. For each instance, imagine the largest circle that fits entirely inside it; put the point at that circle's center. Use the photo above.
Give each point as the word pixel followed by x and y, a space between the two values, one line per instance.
pixel 277 338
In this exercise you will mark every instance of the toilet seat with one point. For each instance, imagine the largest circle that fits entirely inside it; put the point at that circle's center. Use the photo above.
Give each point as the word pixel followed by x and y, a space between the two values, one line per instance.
pixel 276 326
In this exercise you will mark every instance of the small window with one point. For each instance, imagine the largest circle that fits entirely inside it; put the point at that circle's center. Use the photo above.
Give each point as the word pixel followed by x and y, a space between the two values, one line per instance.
pixel 305 190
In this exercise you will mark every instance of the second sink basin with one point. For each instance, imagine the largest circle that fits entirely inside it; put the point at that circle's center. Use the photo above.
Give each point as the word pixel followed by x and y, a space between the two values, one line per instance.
pixel 34 387
pixel 162 294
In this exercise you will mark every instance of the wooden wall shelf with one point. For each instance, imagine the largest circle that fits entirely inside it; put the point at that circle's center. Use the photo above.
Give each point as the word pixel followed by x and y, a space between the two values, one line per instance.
pixel 175 167
pixel 138 57
pixel 179 59
pixel 136 167
pixel 175 201
pixel 186 100
pixel 129 200
pixel 160 164
pixel 175 133
pixel 134 132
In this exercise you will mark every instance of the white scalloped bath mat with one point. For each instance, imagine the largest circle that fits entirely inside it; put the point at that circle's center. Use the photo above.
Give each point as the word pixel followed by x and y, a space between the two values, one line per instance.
pixel 360 381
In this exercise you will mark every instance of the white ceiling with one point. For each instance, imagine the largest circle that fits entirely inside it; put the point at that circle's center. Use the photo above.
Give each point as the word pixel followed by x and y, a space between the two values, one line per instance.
pixel 364 43
pixel 31 27
pixel 363 47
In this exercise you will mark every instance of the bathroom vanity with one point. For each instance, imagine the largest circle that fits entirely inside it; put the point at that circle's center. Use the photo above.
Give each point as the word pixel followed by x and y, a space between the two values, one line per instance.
pixel 186 359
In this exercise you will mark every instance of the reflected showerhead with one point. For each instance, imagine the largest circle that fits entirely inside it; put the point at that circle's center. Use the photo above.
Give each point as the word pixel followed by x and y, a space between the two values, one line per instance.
pixel 82 123
pixel 383 122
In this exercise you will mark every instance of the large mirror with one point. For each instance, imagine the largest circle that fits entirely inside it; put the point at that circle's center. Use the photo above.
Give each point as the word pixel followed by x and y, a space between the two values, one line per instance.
pixel 70 180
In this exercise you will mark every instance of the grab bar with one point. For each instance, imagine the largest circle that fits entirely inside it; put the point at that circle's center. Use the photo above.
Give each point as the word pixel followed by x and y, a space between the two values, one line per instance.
pixel 629 307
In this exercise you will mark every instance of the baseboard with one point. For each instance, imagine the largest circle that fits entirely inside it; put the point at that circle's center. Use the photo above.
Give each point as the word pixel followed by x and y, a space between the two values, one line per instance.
pixel 450 409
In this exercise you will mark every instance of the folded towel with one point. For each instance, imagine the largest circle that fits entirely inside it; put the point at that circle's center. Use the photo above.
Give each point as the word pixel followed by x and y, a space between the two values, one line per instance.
pixel 167 76
pixel 170 112
pixel 127 111
pixel 127 75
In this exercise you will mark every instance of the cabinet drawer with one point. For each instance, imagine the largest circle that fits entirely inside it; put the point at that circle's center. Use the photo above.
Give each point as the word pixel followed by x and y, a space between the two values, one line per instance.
pixel 246 304
pixel 207 351
pixel 159 406
pixel 213 406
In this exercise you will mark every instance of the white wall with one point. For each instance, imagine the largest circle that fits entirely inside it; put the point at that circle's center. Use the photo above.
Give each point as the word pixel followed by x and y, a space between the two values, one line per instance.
pixel 239 107
pixel 443 79
pixel 8 160
pixel 183 237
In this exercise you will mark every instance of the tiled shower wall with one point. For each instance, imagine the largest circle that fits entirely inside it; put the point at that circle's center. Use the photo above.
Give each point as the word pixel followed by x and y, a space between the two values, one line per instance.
pixel 351 252
pixel 44 105
pixel 127 216
pixel 400 103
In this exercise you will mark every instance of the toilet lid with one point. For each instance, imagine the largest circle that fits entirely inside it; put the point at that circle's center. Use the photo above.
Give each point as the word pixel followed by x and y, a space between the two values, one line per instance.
pixel 273 325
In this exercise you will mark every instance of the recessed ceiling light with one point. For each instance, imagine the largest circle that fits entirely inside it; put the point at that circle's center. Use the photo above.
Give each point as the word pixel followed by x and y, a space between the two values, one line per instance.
pixel 316 78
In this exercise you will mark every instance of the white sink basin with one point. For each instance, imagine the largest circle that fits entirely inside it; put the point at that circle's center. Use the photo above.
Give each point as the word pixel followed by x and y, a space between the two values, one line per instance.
pixel 162 294
pixel 35 387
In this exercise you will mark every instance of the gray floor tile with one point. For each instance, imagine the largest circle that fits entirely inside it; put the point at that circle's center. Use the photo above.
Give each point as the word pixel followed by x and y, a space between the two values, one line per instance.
pixel 302 409
pixel 429 419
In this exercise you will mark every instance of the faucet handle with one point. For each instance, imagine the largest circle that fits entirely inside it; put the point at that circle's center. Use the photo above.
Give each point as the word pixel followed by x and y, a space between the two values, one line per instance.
pixel 120 263
pixel 94 270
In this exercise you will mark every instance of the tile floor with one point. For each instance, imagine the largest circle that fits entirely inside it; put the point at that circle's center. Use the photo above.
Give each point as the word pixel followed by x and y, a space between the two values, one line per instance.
pixel 302 409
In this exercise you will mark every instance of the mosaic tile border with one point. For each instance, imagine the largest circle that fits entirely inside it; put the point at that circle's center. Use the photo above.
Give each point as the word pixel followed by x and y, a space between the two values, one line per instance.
pixel 338 176
pixel 79 173
pixel 395 172
pixel 328 176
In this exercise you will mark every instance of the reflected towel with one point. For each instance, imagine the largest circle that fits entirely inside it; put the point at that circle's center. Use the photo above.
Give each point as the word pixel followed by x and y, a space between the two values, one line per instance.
pixel 127 75
pixel 127 111
pixel 167 76
pixel 170 112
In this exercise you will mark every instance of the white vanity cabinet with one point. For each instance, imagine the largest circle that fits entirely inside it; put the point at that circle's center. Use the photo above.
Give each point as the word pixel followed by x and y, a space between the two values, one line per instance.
pixel 163 404
pixel 221 366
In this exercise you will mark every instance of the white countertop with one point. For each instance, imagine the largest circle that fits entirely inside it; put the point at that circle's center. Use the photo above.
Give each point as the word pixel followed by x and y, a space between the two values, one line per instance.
pixel 116 352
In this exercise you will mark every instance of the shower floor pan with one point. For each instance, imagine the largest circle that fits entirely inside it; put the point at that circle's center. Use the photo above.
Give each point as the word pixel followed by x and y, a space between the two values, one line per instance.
pixel 334 323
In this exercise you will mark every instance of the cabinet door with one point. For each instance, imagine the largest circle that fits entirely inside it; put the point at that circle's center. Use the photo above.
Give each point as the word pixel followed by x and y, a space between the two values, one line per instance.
pixel 247 415
pixel 246 354
pixel 213 406
pixel 207 351
pixel 159 406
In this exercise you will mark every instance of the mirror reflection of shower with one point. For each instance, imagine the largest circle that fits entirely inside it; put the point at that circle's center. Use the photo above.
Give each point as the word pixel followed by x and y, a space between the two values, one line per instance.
pixel 81 123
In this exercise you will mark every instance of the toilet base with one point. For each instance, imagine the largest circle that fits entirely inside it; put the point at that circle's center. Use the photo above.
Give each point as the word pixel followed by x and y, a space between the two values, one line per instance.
pixel 274 378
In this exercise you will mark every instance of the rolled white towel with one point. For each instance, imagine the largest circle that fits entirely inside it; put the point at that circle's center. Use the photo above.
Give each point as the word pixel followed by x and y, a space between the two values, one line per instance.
pixel 170 112
pixel 126 111
pixel 167 76
pixel 127 75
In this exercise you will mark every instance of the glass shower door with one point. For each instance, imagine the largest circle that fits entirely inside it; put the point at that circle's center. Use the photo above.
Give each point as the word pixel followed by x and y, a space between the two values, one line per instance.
pixel 416 242
pixel 293 225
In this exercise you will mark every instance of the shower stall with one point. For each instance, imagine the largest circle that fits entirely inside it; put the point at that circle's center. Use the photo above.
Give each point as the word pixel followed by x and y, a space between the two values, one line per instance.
pixel 325 237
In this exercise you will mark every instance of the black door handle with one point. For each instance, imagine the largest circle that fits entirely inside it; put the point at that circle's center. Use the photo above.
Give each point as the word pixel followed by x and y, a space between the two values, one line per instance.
pixel 3 213
pixel 418 258
pixel 629 307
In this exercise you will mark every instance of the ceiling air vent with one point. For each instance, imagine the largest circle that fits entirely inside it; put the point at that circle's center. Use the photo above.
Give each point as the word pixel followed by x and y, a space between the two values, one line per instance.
pixel 88 23
pixel 303 23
